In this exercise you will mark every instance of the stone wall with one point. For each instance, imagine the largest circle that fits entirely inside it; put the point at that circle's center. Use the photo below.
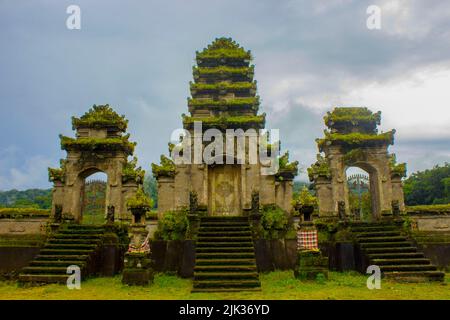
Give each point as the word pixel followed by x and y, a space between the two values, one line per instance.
pixel 178 256
pixel 18 227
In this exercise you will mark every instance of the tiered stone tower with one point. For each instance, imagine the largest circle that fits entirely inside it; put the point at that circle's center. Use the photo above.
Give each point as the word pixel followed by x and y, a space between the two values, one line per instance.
pixel 223 97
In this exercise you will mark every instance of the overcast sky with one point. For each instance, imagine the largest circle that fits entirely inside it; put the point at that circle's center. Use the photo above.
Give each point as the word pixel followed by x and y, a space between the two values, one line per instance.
pixel 137 56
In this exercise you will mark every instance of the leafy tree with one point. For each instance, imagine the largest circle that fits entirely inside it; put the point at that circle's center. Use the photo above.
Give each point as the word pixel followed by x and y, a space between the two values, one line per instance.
pixel 34 198
pixel 431 186
pixel 151 189
pixel 298 186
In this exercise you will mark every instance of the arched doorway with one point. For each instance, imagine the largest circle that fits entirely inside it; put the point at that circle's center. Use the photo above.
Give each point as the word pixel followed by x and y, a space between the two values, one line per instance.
pixel 93 197
pixel 362 192
pixel 359 196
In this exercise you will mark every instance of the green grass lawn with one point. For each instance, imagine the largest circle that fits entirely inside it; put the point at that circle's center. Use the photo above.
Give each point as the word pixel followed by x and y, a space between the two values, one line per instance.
pixel 275 285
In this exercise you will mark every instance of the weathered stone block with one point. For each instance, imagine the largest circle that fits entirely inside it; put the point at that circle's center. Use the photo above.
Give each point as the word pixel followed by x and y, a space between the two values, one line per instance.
pixel 138 269
pixel 310 264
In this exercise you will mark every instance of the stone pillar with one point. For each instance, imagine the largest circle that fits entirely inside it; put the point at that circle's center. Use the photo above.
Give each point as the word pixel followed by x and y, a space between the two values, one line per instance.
pixel 166 195
pixel 397 192
pixel 325 197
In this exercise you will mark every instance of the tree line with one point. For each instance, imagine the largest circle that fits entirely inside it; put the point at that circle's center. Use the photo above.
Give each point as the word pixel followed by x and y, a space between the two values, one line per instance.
pixel 431 186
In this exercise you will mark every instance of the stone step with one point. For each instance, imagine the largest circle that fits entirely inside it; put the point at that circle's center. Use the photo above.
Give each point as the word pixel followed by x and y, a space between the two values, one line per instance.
pixel 225 219
pixel 61 257
pixel 415 276
pixel 225 258
pixel 224 229
pixel 382 239
pixel 356 224
pixel 362 235
pixel 391 250
pixel 225 268
pixel 45 270
pixel 242 244
pixel 224 261
pixel 371 245
pixel 222 254
pixel 74 241
pixel 414 267
pixel 43 278
pixel 199 276
pixel 80 232
pixel 225 250
pixel 223 224
pixel 70 246
pixel 373 229
pixel 227 284
pixel 81 236
pixel 215 234
pixel 404 261
pixel 221 238
pixel 85 227
pixel 65 252
pixel 400 255
pixel 57 263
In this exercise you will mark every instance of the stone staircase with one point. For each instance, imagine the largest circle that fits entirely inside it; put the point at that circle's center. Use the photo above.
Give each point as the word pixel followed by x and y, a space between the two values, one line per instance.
pixel 70 245
pixel 225 256
pixel 383 244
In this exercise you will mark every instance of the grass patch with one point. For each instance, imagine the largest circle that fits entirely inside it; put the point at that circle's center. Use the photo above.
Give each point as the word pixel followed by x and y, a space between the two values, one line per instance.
pixel 275 285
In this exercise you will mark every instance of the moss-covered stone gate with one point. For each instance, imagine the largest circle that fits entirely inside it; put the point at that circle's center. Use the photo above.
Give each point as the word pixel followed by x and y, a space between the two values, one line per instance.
pixel 353 141
pixel 100 146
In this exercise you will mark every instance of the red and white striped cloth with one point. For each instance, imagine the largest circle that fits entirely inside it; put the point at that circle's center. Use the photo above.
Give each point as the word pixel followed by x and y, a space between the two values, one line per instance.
pixel 144 248
pixel 307 240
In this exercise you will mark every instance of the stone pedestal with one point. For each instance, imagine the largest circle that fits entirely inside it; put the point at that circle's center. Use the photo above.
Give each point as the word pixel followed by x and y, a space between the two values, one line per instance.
pixel 137 263
pixel 138 269
pixel 310 264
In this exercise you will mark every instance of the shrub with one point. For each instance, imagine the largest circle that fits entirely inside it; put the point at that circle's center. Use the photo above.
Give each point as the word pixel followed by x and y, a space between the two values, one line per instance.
pixel 173 225
pixel 274 221
pixel 305 198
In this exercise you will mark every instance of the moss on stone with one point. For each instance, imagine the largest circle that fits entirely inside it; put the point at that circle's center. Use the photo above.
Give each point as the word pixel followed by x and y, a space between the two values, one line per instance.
pixel 223 70
pixel 139 200
pixel 354 155
pixel 165 169
pixel 224 48
pixel 429 208
pixel 98 144
pixel 352 116
pixel 320 169
pixel 131 172
pixel 227 121
pixel 285 165
pixel 101 116
pixel 18 213
pixel 304 199
pixel 356 139
pixel 227 86
pixel 397 169
pixel 252 102
pixel 58 174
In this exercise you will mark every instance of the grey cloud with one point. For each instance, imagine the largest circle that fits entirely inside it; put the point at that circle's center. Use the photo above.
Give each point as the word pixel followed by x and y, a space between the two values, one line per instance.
pixel 138 55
